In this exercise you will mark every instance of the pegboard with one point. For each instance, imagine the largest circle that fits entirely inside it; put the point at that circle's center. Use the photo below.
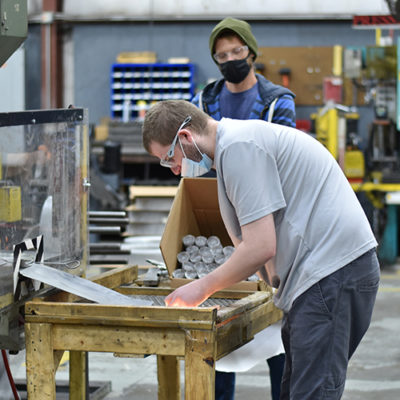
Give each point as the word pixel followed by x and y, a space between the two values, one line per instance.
pixel 308 67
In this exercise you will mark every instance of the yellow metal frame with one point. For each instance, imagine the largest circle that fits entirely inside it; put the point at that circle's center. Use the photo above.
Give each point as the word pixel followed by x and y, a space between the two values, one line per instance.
pixel 376 191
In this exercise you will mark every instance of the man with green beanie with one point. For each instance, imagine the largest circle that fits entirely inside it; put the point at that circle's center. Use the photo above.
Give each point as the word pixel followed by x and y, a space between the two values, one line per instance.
pixel 244 94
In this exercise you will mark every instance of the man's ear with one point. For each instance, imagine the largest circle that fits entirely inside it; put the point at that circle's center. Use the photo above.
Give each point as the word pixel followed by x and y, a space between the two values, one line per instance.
pixel 186 135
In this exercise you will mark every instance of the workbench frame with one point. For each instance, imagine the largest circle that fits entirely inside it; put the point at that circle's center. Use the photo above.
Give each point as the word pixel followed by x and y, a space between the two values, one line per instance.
pixel 199 335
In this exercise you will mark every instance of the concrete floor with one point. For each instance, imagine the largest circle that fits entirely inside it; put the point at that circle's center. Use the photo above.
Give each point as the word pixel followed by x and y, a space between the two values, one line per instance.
pixel 374 371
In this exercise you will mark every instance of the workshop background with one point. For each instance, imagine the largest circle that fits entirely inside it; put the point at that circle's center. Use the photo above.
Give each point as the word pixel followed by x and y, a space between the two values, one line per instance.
pixel 116 58
pixel 110 58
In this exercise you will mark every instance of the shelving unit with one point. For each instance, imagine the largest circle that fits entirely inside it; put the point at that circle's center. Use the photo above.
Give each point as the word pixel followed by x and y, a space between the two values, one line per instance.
pixel 134 87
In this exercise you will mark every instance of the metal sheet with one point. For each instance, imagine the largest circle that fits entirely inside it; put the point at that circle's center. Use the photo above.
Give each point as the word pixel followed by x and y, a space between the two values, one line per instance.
pixel 158 300
pixel 79 286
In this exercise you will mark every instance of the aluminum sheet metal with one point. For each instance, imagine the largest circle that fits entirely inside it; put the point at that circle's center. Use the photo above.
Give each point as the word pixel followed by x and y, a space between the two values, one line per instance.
pixel 80 286
pixel 211 302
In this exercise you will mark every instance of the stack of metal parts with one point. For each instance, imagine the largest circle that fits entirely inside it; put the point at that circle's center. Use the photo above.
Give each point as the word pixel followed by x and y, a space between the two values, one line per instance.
pixel 129 134
pixel 106 229
pixel 202 255
pixel 110 246
pixel 149 210
pixel 143 248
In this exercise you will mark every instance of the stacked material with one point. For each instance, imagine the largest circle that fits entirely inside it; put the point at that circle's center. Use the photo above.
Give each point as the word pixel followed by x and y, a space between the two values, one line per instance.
pixel 202 255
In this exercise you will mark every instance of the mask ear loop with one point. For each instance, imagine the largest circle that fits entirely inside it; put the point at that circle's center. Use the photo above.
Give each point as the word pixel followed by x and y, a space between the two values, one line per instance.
pixel 180 144
pixel 195 145
pixel 170 152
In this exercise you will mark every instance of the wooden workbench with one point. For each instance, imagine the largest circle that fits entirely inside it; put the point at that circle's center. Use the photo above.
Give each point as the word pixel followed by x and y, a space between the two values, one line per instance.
pixel 199 335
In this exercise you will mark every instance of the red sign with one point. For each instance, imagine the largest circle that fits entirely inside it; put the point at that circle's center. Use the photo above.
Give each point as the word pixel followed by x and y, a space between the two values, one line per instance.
pixel 374 20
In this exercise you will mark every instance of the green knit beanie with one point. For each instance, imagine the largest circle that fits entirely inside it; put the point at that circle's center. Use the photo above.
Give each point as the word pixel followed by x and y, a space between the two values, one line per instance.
pixel 241 28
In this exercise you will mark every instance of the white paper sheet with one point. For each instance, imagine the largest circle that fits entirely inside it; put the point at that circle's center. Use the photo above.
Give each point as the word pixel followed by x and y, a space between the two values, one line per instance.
pixel 266 344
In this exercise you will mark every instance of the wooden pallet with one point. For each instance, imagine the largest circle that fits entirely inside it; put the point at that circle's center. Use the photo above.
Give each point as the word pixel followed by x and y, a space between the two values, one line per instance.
pixel 199 335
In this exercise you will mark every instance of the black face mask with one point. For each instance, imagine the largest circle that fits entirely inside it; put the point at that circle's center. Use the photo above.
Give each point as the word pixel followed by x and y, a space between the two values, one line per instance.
pixel 235 71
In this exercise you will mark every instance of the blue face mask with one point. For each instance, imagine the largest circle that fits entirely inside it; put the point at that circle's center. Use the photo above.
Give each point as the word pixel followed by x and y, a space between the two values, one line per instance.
pixel 192 169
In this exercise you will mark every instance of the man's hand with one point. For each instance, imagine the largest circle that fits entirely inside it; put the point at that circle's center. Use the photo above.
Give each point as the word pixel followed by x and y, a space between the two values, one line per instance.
pixel 189 295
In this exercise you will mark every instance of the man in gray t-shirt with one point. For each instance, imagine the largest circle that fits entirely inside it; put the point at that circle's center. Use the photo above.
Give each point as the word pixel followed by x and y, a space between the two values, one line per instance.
pixel 319 223
pixel 292 216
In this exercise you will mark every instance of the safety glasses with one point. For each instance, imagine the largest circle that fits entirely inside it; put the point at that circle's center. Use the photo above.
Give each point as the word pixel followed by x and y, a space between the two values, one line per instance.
pixel 237 54
pixel 167 161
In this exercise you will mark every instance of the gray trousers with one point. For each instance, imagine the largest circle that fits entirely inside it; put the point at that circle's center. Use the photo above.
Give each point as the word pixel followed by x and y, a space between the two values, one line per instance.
pixel 324 327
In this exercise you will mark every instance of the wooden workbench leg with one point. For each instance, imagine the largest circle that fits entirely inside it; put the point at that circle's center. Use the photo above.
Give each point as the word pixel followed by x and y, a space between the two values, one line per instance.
pixel 200 356
pixel 40 371
pixel 77 375
pixel 168 378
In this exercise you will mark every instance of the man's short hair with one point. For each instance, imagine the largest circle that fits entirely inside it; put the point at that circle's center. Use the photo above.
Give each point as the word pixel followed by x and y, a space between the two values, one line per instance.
pixel 164 118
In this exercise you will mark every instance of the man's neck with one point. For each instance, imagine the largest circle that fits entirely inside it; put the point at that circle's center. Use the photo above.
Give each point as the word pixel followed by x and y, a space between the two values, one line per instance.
pixel 246 84
pixel 207 142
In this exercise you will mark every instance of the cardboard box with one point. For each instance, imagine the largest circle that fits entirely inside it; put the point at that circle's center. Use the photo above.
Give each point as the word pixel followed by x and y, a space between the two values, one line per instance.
pixel 137 57
pixel 195 211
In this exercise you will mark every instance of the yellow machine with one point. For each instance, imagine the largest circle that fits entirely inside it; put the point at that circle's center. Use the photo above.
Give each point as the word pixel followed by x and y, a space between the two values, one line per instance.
pixel 336 128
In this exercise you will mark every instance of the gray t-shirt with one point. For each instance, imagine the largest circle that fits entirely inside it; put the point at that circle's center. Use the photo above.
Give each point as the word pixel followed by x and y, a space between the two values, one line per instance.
pixel 265 168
